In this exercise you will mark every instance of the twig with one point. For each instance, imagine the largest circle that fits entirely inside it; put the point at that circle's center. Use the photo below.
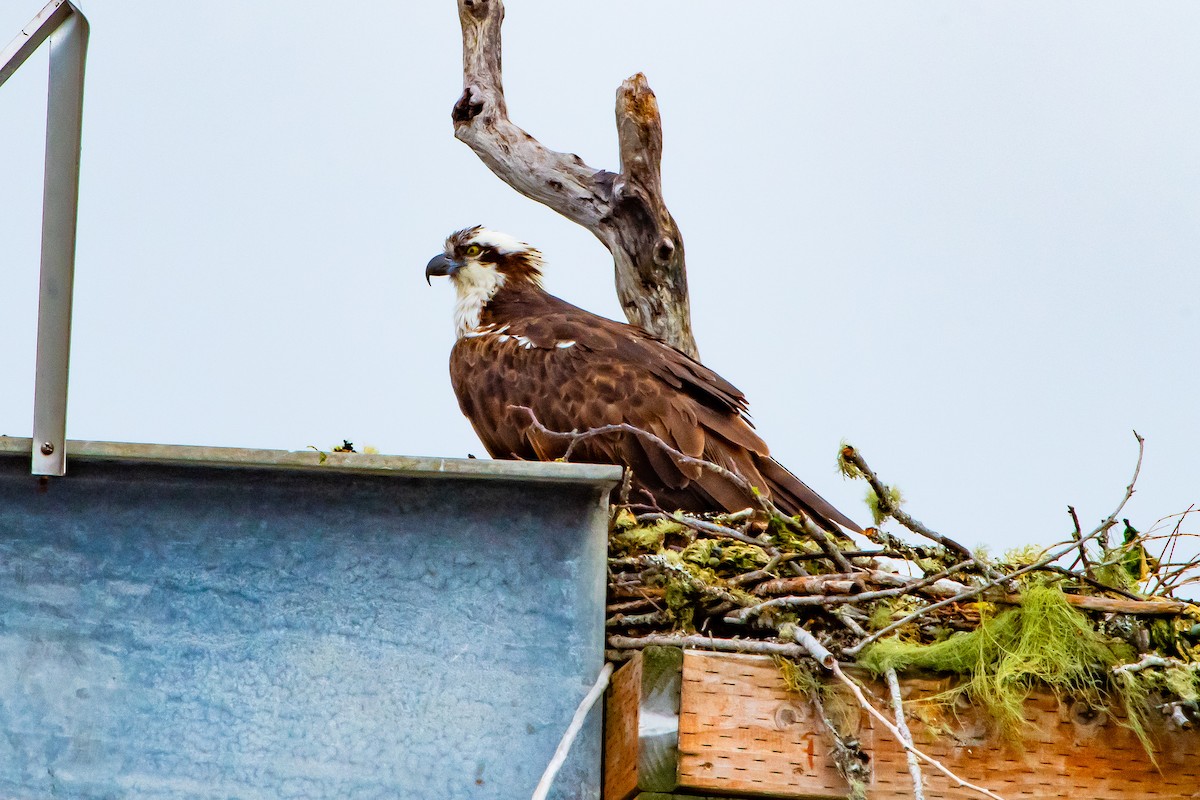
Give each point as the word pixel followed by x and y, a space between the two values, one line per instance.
pixel 1151 660
pixel 941 587
pixel 1109 605
pixel 704 526
pixel 626 487
pixel 648 620
pixel 697 642
pixel 842 616
pixel 828 600
pixel 903 517
pixel 1054 553
pixel 914 765
pixel 815 650
pixel 630 606
pixel 1163 578
pixel 755 575
pixel 895 512
pixel 635 590
pixel 564 746
pixel 1078 534
pixel 836 583
pixel 1104 587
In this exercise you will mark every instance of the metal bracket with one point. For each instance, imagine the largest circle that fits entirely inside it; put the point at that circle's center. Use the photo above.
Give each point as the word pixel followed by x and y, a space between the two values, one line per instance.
pixel 67 29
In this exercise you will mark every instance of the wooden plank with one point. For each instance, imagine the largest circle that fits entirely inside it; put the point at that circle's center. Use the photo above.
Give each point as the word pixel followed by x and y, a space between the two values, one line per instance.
pixel 620 731
pixel 661 796
pixel 741 732
pixel 1069 751
pixel 642 725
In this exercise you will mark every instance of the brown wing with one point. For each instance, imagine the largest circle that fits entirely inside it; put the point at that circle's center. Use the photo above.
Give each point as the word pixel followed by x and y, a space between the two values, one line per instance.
pixel 577 371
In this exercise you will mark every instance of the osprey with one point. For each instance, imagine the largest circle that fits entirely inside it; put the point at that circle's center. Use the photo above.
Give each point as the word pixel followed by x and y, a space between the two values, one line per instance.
pixel 520 348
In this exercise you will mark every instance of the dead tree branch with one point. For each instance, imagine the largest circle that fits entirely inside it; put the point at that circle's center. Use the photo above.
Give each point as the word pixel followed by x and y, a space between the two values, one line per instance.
pixel 859 465
pixel 698 642
pixel 1109 605
pixel 826 601
pixel 1083 556
pixel 624 210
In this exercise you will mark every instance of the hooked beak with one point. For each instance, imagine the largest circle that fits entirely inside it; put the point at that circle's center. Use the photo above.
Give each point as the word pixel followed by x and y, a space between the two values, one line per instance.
pixel 441 264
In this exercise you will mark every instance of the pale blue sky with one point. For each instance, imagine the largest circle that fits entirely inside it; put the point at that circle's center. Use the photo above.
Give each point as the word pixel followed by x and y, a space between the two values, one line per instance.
pixel 963 236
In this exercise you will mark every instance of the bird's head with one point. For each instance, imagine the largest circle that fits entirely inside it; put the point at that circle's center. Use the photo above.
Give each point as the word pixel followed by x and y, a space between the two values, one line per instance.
pixel 480 259
pixel 480 263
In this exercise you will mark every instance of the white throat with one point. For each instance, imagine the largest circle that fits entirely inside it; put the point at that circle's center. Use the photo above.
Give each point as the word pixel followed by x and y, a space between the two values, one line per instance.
pixel 475 285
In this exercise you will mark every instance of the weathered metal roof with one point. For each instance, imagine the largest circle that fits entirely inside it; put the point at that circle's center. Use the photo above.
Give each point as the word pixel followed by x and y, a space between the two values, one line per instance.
pixel 204 622
pixel 358 463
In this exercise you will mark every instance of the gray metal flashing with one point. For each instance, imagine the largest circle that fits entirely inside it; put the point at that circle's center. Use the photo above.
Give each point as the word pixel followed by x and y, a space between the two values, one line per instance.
pixel 599 475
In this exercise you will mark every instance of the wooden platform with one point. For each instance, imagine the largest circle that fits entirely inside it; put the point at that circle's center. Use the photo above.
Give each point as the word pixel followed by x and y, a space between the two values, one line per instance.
pixel 681 724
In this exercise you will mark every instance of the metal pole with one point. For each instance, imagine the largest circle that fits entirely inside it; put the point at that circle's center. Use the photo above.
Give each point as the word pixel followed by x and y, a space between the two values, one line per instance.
pixel 67 29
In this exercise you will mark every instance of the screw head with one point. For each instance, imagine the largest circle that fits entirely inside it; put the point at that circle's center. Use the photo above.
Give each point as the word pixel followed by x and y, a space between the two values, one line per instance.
pixel 47 448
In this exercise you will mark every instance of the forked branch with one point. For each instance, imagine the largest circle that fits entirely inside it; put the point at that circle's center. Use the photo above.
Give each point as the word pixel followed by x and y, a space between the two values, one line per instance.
pixel 624 210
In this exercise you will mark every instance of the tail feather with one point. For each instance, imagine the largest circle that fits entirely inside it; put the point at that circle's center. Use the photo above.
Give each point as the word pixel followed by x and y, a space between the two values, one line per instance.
pixel 793 496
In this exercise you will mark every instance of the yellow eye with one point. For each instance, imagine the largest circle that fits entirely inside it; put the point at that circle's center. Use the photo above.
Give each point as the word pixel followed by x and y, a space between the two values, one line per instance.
pixel 474 250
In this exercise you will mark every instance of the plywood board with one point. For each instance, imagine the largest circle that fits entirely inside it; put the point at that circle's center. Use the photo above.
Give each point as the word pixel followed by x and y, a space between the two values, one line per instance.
pixel 740 731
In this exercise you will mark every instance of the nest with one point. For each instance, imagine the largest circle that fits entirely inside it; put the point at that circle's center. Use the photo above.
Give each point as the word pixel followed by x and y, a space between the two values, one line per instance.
pixel 1093 618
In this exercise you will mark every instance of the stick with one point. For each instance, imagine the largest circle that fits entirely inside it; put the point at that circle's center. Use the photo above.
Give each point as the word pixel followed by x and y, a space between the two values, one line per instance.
pixel 914 765
pixel 1078 534
pixel 829 600
pixel 647 620
pixel 933 762
pixel 895 512
pixel 1109 605
pixel 1150 660
pixel 1104 587
pixel 704 526
pixel 814 584
pixel 564 746
pixel 697 642
pixel 1053 554
pixel 903 517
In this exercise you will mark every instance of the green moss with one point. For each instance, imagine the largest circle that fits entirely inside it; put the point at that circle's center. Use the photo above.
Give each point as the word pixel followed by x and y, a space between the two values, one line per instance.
pixel 624 520
pixel 797 676
pixel 894 500
pixel 1023 556
pixel 685 584
pixel 1043 642
pixel 1182 683
pixel 644 538
pixel 885 612
pixel 724 556
pixel 847 469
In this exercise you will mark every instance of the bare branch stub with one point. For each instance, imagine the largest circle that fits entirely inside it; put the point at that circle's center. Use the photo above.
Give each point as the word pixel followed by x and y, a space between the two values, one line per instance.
pixel 624 210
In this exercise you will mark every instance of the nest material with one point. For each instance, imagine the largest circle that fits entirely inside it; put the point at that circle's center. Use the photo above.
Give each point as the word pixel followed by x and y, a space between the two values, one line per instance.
pixel 682 575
